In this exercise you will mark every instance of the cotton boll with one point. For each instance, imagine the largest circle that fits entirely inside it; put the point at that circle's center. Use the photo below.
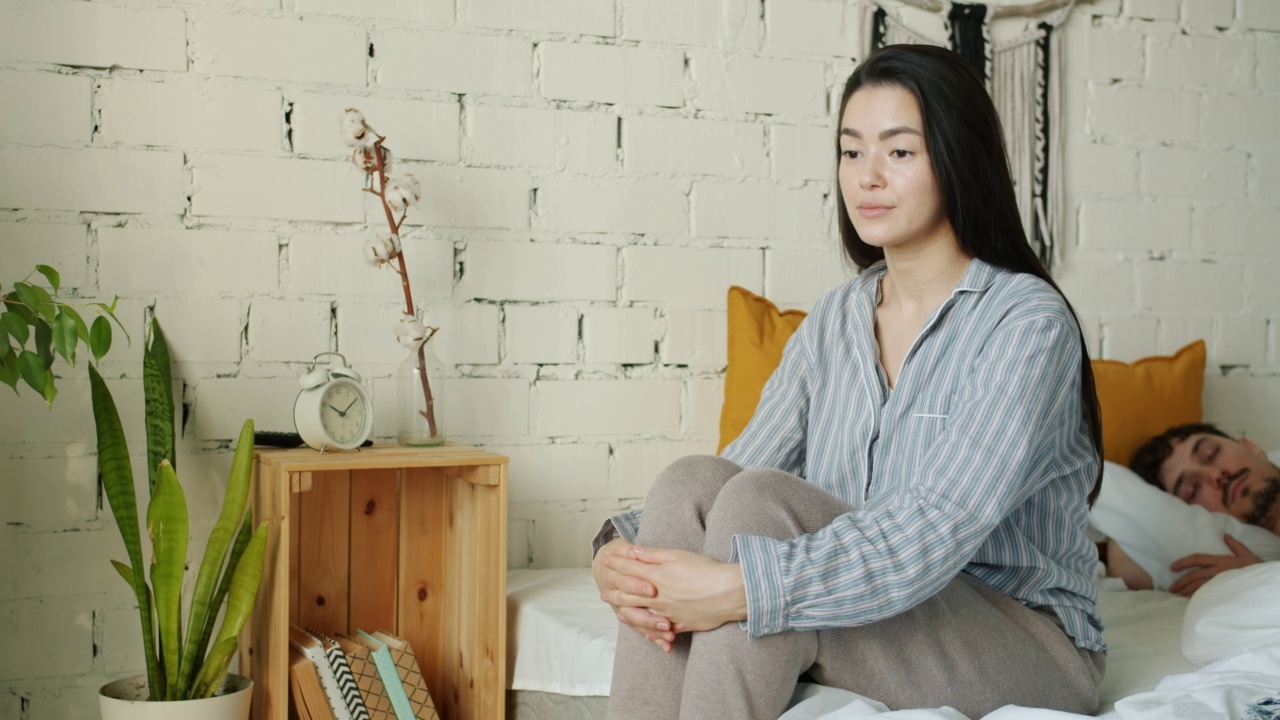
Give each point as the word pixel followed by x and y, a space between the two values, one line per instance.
pixel 355 133
pixel 403 192
pixel 379 251
pixel 409 331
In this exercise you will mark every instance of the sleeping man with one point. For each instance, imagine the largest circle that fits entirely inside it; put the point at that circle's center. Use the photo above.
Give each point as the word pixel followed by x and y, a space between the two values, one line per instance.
pixel 1202 465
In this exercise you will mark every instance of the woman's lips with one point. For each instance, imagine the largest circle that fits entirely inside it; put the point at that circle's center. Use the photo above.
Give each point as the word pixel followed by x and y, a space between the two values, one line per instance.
pixel 872 210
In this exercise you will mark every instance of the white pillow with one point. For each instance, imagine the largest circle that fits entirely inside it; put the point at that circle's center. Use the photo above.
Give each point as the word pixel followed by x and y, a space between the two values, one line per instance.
pixel 1234 612
pixel 1156 528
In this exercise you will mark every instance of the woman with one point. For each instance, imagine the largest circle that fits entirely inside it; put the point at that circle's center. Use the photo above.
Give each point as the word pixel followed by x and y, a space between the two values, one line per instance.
pixel 904 515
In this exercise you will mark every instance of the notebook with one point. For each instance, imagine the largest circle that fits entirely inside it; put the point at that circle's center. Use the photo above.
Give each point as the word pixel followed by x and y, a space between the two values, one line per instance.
pixel 311 647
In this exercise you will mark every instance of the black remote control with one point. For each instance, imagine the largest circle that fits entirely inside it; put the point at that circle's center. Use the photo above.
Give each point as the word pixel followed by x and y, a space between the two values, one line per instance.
pixel 275 438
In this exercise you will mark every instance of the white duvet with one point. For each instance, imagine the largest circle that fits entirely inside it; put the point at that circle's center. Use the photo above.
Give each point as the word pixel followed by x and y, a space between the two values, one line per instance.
pixel 562 639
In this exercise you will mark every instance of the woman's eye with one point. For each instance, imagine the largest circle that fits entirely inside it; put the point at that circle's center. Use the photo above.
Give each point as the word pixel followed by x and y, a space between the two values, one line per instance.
pixel 901 153
pixel 851 154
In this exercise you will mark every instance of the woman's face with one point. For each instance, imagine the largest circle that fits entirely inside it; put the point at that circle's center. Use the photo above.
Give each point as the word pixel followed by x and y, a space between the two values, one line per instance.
pixel 886 176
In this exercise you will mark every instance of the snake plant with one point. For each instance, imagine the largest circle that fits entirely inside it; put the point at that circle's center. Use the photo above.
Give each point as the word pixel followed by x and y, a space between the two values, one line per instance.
pixel 181 662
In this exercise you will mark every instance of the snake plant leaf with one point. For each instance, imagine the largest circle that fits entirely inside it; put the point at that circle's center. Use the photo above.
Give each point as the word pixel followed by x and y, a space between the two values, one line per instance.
pixel 215 552
pixel 50 274
pixel 214 670
pixel 116 476
pixel 244 589
pixel 224 585
pixel 168 527
pixel 157 384
pixel 99 337
pixel 65 337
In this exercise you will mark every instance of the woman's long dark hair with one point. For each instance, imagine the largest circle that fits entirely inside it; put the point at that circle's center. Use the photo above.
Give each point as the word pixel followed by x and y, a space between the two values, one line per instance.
pixel 966 146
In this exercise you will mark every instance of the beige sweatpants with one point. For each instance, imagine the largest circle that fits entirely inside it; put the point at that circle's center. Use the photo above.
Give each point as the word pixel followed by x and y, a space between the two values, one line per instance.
pixel 969 647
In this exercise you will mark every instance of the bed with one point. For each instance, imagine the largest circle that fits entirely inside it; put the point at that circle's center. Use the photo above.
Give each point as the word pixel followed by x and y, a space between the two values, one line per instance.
pixel 1216 656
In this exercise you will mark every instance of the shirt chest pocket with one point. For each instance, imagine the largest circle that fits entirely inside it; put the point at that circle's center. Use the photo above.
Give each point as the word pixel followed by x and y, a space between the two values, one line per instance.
pixel 925 422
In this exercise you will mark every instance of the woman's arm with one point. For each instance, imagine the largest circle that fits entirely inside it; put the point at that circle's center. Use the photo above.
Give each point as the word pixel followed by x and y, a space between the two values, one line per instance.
pixel 1120 565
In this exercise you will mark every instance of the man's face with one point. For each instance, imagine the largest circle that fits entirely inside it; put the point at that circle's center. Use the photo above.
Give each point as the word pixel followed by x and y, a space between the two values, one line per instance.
pixel 1225 476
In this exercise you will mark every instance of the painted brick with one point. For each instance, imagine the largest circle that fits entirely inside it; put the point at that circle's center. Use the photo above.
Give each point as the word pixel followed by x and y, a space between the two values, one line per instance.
pixel 688 277
pixel 454 62
pixel 759 211
pixel 796 278
pixel 702 417
pixel 622 75
pixel 553 139
pixel 1239 229
pixel 222 404
pixel 538 271
pixel 486 407
pixel 288 330
pixel 416 11
pixel 366 336
pixel 121 646
pixel 564 471
pixel 1182 60
pixel 256 187
pixel 470 197
pixel 56 564
pixel 93 180
pixel 728 24
pixel 695 338
pixel 1267 176
pixel 190 116
pixel 203 329
pixel 94 35
pixel 1208 15
pixel 1176 333
pixel 809 27
pixel 1260 14
pixel 1268 62
pixel 49 494
pixel 694 147
pixel 619 335
pixel 1096 281
pixel 1128 338
pixel 586 17
pixel 1242 340
pixel 802 152
pixel 638 464
pixel 562 538
pixel 300 51
pixel 1095 168
pixel 1249 402
pixel 1145 114
pixel 65 639
pixel 335 265
pixel 1133 225
pixel 1190 288
pixel 576 203
pixel 63 702
pixel 1264 291
pixel 519 543
pixel 541 333
pixel 743 83
pixel 1152 9
pixel 607 407
pixel 175 260
pixel 46 108
pixel 415 129
pixel 25 245
pixel 1175 172
pixel 1115 53
pixel 1242 120
pixel 468 334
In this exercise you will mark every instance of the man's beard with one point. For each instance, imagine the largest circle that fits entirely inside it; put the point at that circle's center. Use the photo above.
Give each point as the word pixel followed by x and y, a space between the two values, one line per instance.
pixel 1266 506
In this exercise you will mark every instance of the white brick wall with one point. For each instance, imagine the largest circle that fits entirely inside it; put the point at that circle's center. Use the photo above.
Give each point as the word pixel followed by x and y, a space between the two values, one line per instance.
pixel 595 174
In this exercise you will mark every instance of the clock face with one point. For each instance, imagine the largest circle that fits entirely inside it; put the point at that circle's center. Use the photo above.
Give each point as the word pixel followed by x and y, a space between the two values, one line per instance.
pixel 343 412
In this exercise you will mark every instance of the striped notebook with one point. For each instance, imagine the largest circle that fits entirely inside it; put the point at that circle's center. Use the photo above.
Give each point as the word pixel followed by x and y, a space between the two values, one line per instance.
pixel 314 650
pixel 342 674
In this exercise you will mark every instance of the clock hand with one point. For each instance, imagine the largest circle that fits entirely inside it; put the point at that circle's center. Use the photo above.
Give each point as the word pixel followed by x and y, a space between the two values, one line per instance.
pixel 353 402
pixel 341 413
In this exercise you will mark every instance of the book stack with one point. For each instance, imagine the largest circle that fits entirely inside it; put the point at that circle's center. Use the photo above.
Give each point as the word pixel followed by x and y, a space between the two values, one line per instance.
pixel 366 676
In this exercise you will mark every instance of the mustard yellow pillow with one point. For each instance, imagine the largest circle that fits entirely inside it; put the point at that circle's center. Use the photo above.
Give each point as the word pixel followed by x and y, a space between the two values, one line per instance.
pixel 758 330
pixel 1142 399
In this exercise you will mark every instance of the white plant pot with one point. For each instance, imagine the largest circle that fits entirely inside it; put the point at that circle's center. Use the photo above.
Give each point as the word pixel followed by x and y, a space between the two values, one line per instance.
pixel 126 699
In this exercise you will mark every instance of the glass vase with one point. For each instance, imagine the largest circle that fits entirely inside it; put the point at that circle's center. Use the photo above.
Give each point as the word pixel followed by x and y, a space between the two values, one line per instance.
pixel 420 403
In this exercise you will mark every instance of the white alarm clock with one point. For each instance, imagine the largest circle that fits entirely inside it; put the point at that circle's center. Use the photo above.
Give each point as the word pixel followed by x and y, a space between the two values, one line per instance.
pixel 332 411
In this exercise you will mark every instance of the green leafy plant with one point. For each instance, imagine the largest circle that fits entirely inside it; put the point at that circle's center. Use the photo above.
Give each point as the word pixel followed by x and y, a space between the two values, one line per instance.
pixel 181 662
pixel 32 313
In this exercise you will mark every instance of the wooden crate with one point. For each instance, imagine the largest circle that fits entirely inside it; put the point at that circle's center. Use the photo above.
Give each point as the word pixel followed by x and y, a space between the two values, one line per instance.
pixel 412 541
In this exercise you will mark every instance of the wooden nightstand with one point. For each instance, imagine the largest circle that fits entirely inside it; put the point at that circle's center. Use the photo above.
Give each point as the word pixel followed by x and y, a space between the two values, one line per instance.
pixel 412 541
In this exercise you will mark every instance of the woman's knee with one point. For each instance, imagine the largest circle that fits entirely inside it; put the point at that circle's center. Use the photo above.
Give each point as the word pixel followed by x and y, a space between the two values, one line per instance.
pixel 692 476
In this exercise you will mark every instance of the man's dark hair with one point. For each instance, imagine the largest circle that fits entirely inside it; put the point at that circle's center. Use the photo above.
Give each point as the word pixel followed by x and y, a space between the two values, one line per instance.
pixel 1148 458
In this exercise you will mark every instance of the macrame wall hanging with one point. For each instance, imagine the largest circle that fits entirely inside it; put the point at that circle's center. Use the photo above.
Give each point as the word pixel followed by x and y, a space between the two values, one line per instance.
pixel 1023 75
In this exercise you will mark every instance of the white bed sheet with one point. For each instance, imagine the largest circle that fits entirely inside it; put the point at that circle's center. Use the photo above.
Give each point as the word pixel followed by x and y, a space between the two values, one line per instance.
pixel 561 639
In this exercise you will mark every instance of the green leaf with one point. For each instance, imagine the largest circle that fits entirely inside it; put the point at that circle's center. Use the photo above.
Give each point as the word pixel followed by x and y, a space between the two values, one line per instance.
pixel 26 293
pixel 224 585
pixel 157 386
pixel 116 475
pixel 16 326
pixel 50 274
pixel 33 370
pixel 15 304
pixel 65 338
pixel 100 338
pixel 244 589
pixel 37 299
pixel 9 372
pixel 44 342
pixel 167 525
pixel 110 311
pixel 82 330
